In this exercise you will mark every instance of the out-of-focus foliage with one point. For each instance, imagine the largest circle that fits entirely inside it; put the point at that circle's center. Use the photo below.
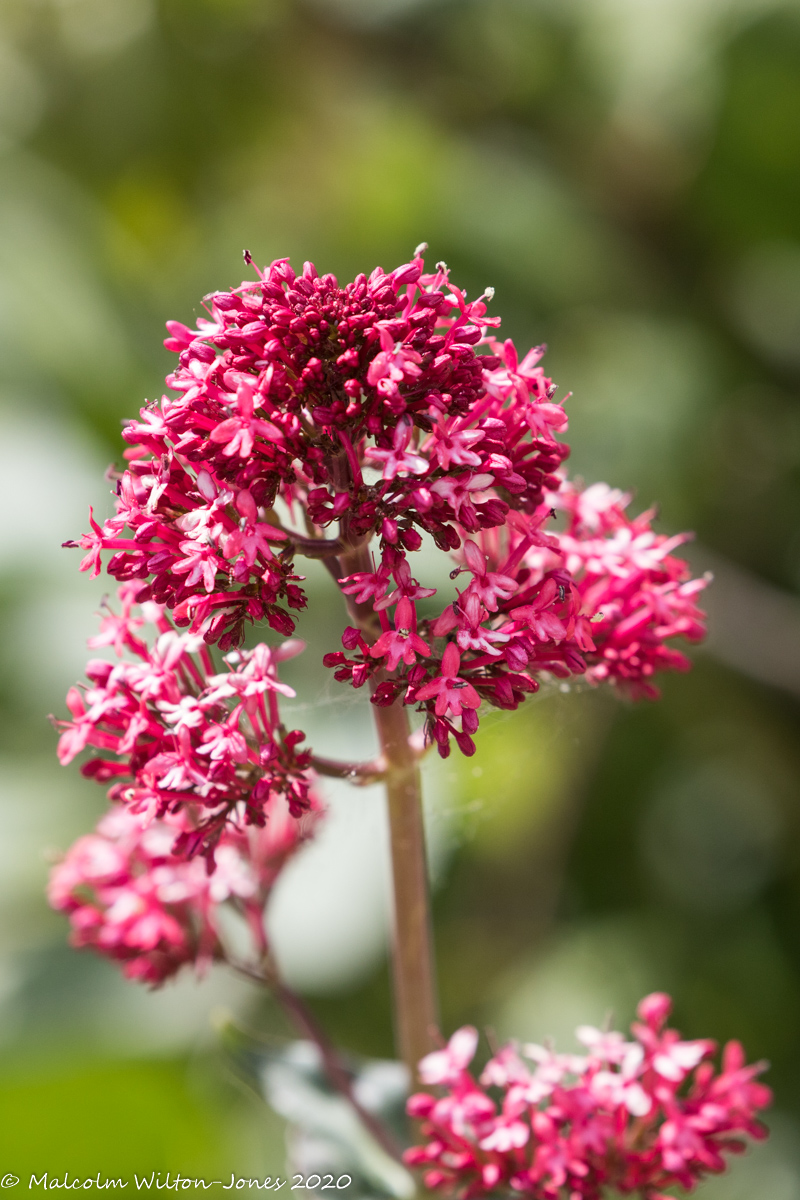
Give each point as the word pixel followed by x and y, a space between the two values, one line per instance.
pixel 325 1134
pixel 627 176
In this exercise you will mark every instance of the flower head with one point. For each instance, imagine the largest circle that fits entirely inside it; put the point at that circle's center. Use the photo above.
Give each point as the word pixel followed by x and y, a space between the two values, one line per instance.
pixel 635 1116
pixel 130 897
pixel 354 423
pixel 177 735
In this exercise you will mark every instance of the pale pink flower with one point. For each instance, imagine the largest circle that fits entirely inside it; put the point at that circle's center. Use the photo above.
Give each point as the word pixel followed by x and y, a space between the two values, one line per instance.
pixel 446 1066
pixel 130 897
pixel 582 1126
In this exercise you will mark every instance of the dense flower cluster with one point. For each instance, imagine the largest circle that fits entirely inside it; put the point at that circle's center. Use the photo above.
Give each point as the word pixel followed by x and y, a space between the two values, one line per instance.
pixel 278 395
pixel 187 737
pixel 638 1116
pixel 631 594
pixel 130 898
pixel 388 409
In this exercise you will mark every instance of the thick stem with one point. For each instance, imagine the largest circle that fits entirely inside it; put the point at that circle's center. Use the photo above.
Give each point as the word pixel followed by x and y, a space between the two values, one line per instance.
pixel 416 1009
pixel 415 1003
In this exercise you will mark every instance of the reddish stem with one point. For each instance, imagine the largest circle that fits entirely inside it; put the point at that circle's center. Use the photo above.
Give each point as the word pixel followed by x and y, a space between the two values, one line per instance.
pixel 358 773
pixel 307 1025
pixel 416 1008
pixel 414 977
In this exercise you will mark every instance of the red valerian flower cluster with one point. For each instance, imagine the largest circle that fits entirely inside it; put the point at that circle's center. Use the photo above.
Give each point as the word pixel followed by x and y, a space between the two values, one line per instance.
pixel 388 409
pixel 188 740
pixel 637 1116
pixel 635 595
pixel 130 898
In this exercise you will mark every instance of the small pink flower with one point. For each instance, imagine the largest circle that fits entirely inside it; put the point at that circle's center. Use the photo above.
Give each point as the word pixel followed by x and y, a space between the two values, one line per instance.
pixel 403 643
pixel 238 434
pixel 281 397
pixel 452 693
pixel 399 460
pixel 130 897
pixel 458 490
pixel 446 1066
pixel 490 587
pixel 174 735
pixel 452 444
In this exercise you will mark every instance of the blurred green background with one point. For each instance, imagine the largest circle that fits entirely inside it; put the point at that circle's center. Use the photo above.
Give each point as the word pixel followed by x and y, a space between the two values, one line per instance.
pixel 626 174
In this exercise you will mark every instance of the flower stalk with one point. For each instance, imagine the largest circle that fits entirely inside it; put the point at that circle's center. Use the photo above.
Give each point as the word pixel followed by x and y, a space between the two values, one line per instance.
pixel 413 969
pixel 416 1009
pixel 307 1025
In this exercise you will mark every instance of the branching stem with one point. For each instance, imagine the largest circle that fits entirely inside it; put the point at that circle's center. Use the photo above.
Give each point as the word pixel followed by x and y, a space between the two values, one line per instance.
pixel 358 773
pixel 307 1026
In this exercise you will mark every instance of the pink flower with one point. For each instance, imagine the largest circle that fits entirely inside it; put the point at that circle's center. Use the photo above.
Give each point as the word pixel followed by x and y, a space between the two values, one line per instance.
pixel 399 460
pixel 238 434
pixel 457 490
pixel 130 897
pixel 636 596
pixel 279 400
pixel 453 444
pixel 490 587
pixel 581 1126
pixel 446 1066
pixel 176 736
pixel 616 1089
pixel 393 365
pixel 367 585
pixel 452 693
pixel 401 644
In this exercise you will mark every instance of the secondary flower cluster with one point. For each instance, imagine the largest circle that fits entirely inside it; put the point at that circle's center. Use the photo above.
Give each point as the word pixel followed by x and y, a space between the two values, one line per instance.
pixel 603 597
pixel 637 1116
pixel 388 409
pixel 129 897
pixel 633 595
pixel 187 739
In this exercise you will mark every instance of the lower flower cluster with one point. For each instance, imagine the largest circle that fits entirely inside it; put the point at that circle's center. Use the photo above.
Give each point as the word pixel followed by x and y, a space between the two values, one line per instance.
pixel 186 737
pixel 638 1116
pixel 210 794
pixel 130 898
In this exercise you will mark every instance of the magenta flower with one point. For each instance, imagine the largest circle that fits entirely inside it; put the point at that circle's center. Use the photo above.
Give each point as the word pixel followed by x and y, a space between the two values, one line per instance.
pixel 447 1066
pixel 574 1126
pixel 130 898
pixel 178 736
pixel 399 460
pixel 636 594
pixel 388 408
pixel 452 693
pixel 403 643
pixel 358 424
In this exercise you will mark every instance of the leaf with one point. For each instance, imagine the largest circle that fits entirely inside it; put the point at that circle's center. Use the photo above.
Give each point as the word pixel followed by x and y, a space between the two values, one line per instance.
pixel 326 1135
